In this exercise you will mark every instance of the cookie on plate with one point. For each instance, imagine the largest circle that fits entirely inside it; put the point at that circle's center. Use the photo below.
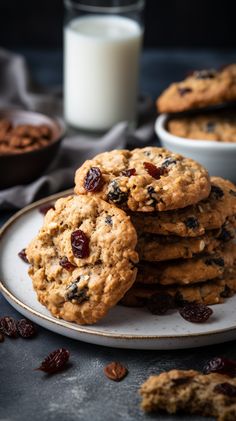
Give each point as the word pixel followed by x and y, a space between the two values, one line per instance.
pixel 154 247
pixel 203 88
pixel 219 127
pixel 83 259
pixel 208 293
pixel 190 391
pixel 188 271
pixel 145 179
pixel 192 221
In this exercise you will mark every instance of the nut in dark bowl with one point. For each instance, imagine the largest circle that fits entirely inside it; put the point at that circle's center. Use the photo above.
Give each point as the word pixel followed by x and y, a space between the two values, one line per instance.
pixel 29 142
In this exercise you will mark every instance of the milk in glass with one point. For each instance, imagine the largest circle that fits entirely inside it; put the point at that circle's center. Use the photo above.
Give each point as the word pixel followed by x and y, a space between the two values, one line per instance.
pixel 101 66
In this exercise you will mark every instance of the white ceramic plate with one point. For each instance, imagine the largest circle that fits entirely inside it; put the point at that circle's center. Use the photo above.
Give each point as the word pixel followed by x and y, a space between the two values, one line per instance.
pixel 123 327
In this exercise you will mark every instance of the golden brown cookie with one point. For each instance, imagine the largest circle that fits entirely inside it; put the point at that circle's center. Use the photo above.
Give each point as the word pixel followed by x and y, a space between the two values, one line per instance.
pixel 208 293
pixel 190 391
pixel 203 88
pixel 194 220
pixel 83 258
pixel 154 247
pixel 220 127
pixel 145 179
pixel 188 271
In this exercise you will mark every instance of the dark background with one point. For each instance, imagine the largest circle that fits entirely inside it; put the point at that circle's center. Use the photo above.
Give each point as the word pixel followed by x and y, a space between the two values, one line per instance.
pixel 169 23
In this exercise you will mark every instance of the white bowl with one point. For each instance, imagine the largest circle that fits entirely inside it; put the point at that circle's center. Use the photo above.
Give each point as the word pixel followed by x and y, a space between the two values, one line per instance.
pixel 219 158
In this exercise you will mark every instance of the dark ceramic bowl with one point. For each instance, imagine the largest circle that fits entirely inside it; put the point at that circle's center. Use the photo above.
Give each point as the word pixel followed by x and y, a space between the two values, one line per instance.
pixel 22 168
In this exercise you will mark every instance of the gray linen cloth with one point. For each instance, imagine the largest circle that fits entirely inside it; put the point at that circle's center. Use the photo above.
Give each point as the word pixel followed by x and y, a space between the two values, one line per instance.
pixel 16 90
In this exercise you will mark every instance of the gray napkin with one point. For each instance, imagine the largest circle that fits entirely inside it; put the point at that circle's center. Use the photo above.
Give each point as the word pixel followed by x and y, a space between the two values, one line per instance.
pixel 17 90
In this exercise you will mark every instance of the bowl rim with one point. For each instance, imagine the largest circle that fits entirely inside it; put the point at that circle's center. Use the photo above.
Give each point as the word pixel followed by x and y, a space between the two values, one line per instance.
pixel 55 120
pixel 198 144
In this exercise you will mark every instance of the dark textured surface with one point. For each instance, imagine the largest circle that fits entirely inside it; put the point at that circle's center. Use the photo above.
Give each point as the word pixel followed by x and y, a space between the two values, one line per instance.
pixel 82 392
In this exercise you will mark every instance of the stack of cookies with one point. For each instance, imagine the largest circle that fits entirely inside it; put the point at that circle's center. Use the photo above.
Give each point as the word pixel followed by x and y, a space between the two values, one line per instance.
pixel 141 222
pixel 200 93
pixel 188 253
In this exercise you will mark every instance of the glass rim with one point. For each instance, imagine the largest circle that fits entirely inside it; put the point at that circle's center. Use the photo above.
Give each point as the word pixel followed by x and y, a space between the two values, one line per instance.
pixel 138 6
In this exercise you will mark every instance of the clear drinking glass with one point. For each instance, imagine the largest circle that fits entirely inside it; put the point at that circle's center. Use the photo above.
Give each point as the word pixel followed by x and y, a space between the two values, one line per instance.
pixel 102 44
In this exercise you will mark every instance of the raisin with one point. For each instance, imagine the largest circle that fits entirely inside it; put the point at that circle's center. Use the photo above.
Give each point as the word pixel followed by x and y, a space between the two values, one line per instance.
pixel 160 303
pixel 155 172
pixel 44 209
pixel 210 127
pixel 167 162
pixel 22 255
pixel 216 192
pixel 226 389
pixel 205 74
pixel 26 329
pixel 196 313
pixel 115 371
pixel 76 293
pixel 232 192
pixel 108 220
pixel 55 361
pixel 129 173
pixel 184 91
pixel 153 195
pixel 93 180
pixel 115 194
pixel 1 337
pixel 225 235
pixel 215 261
pixel 192 222
pixel 220 365
pixel 80 244
pixel 227 292
pixel 66 264
pixel 8 327
pixel 150 190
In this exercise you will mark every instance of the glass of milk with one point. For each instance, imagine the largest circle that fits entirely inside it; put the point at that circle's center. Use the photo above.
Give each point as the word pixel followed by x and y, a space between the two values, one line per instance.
pixel 102 43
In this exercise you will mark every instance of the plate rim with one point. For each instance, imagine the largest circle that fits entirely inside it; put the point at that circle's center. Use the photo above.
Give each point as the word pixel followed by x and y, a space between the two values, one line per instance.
pixel 82 328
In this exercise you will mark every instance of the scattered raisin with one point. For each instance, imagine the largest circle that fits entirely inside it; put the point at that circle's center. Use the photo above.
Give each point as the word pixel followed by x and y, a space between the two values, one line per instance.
pixel 232 192
pixel 115 371
pixel 77 294
pixel 8 327
pixel 226 389
pixel 26 329
pixel 93 180
pixel 44 209
pixel 160 303
pixel 210 127
pixel 167 162
pixel 216 192
pixel 155 172
pixel 55 361
pixel 115 194
pixel 196 313
pixel 1 337
pixel 129 173
pixel 215 261
pixel 80 244
pixel 108 220
pixel 192 222
pixel 66 264
pixel 184 91
pixel 22 255
pixel 205 74
pixel 220 365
